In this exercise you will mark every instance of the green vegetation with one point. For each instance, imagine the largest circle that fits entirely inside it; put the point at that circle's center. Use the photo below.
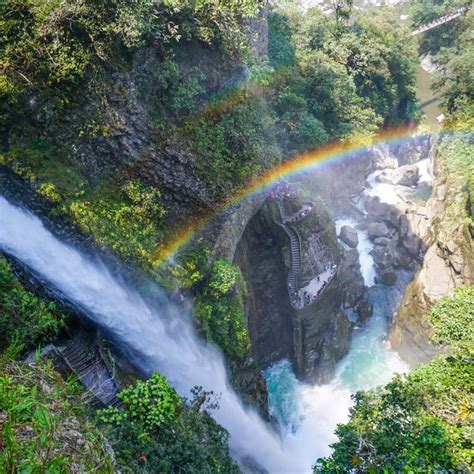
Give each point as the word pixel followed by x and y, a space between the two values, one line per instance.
pixel 25 320
pixel 159 432
pixel 125 218
pixel 451 48
pixel 324 79
pixel 43 427
pixel 125 215
pixel 220 308
pixel 47 424
pixel 425 11
pixel 51 43
pixel 233 140
pixel 453 318
pixel 422 421
pixel 219 304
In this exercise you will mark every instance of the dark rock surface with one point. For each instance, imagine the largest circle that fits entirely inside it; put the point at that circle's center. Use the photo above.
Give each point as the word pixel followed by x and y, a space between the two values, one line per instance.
pixel 315 337
pixel 407 175
pixel 377 229
pixel 349 236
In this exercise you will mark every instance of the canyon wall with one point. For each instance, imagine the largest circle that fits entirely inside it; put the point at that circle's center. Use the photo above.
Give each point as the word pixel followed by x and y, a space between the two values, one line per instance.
pixel 447 264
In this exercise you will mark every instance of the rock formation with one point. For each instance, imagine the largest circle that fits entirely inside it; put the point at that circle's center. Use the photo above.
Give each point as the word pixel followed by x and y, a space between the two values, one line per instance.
pixel 448 263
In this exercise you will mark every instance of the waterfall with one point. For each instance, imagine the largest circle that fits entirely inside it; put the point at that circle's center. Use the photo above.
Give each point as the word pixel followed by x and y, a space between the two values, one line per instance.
pixel 161 338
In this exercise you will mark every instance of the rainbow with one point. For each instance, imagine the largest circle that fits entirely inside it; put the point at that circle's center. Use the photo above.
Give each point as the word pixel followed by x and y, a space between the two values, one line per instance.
pixel 306 162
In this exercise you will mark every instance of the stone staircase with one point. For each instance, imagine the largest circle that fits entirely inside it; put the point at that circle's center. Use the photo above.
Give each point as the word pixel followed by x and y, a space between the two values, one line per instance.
pixel 295 252
pixel 85 361
pixel 299 299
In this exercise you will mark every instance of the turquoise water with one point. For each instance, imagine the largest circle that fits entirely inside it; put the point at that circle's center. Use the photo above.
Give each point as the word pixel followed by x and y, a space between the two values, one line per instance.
pixel 309 414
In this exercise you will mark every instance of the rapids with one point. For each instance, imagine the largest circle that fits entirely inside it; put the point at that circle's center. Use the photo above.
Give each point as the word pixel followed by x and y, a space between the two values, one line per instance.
pixel 308 415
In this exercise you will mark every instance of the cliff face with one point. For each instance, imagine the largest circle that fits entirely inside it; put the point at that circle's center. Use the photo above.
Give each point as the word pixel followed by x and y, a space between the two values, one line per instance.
pixel 314 335
pixel 448 263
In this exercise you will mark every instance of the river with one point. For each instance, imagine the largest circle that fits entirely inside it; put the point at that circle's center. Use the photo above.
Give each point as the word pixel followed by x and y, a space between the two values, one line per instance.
pixel 163 339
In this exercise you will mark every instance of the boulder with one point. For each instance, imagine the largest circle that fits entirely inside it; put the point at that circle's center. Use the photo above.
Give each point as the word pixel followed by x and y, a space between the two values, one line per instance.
pixel 388 277
pixel 364 310
pixel 407 175
pixel 385 177
pixel 377 229
pixel 382 158
pixel 382 241
pixel 411 242
pixel 349 236
pixel 383 257
pixel 378 210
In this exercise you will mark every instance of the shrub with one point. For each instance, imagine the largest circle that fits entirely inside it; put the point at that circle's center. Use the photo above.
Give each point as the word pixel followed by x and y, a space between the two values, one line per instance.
pixel 158 432
pixel 126 219
pixel 232 140
pixel 177 92
pixel 223 277
pixel 219 306
pixel 151 403
pixel 422 421
pixel 453 318
pixel 25 319
pixel 42 423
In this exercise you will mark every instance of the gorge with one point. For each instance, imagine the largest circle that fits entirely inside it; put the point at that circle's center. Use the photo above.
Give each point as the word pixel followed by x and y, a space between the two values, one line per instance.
pixel 236 236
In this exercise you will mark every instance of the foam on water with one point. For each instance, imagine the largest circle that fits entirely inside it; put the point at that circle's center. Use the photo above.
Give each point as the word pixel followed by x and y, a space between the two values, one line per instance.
pixel 309 414
pixel 369 363
pixel 160 338
pixel 163 339
pixel 386 192
pixel 364 247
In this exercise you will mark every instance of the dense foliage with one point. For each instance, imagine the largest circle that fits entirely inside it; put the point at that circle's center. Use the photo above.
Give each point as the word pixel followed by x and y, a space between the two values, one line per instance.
pixel 453 318
pixel 422 421
pixel 47 424
pixel 43 427
pixel 156 431
pixel 25 320
pixel 425 11
pixel 50 43
pixel 219 304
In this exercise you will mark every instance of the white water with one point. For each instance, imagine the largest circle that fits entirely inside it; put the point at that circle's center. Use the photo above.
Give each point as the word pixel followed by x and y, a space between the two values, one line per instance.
pixel 364 247
pixel 308 415
pixel 386 192
pixel 162 338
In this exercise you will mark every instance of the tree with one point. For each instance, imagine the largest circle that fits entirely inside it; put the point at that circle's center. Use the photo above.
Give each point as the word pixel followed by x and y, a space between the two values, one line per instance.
pixel 343 10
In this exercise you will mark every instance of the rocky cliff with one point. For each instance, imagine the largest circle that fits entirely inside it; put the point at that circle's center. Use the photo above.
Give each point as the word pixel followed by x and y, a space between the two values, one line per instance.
pixel 448 262
pixel 313 334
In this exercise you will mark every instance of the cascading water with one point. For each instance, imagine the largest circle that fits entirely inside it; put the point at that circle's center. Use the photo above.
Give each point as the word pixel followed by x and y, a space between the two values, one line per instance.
pixel 162 339
pixel 308 415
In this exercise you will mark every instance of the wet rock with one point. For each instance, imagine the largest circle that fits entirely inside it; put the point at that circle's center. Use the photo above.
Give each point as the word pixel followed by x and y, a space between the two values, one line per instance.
pixel 407 175
pixel 364 310
pixel 349 236
pixel 404 259
pixel 377 229
pixel 411 242
pixel 381 211
pixel 403 225
pixel 382 159
pixel 385 177
pixel 350 278
pixel 383 257
pixel 382 241
pixel 388 277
